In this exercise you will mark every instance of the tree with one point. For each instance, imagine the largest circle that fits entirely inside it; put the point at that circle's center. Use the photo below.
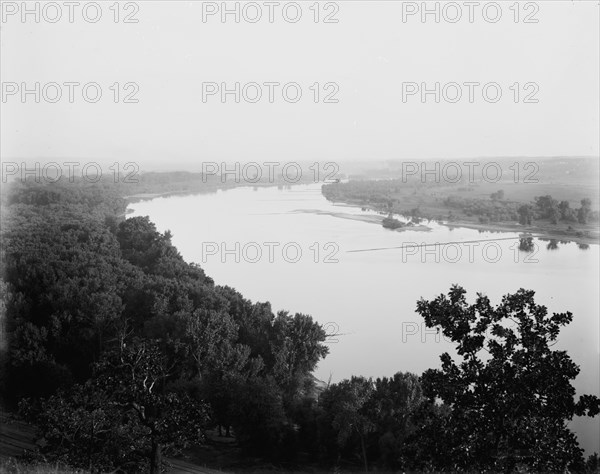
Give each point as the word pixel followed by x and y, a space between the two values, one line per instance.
pixel 297 346
pixel 259 420
pixel 345 406
pixel 566 213
pixel 525 212
pixel 137 377
pixel 392 407
pixel 584 211
pixel 498 195
pixel 511 395
pixel 526 244
pixel 81 427
pixel 142 245
pixel 125 416
pixel 549 208
pixel 66 277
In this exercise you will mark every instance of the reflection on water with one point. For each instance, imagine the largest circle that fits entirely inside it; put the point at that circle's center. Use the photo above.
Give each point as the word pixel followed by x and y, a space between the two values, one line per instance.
pixel 293 248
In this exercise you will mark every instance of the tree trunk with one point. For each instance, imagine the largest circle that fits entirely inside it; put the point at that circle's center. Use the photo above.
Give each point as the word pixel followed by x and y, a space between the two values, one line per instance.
pixel 156 457
pixel 364 452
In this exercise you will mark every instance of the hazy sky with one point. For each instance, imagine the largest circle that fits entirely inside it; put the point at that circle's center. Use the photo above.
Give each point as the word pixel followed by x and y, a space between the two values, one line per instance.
pixel 369 53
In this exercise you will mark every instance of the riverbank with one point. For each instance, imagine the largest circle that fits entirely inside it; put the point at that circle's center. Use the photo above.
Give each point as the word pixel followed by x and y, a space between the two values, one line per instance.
pixel 542 231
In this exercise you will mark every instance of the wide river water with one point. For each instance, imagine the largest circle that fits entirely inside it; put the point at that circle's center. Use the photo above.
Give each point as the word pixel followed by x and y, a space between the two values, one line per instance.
pixel 292 247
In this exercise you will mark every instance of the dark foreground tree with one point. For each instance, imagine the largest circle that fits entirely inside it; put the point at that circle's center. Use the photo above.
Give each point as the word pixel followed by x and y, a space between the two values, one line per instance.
pixel 511 395
pixel 392 408
pixel 345 413
pixel 125 416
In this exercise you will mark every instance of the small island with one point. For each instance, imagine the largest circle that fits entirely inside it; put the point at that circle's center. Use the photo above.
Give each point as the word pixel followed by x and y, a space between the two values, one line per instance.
pixel 391 223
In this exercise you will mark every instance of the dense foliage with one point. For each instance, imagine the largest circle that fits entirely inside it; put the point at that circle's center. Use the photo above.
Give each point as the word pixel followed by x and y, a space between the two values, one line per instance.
pixel 112 335
pixel 511 395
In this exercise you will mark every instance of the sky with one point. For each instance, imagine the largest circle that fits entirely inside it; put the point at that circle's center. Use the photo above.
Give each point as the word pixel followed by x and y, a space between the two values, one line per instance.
pixel 370 67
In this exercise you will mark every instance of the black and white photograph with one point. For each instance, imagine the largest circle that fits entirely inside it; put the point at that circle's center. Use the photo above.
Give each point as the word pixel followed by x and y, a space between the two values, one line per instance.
pixel 308 237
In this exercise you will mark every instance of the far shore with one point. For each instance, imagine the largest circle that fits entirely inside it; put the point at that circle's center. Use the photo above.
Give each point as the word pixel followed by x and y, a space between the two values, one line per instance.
pixel 540 232
pixel 219 186
pixel 132 198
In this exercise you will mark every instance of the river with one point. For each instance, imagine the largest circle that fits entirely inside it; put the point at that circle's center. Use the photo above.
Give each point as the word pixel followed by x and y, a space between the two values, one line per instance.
pixel 292 247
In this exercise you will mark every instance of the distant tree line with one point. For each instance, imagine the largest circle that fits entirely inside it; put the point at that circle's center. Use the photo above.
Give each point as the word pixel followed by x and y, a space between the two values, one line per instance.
pixel 381 195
